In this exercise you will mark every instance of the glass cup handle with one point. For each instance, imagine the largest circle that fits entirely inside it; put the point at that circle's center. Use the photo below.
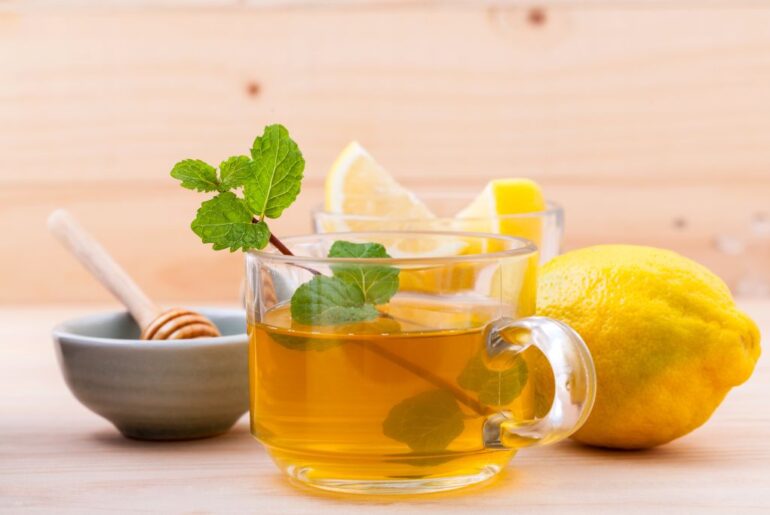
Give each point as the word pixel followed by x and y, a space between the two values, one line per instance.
pixel 574 375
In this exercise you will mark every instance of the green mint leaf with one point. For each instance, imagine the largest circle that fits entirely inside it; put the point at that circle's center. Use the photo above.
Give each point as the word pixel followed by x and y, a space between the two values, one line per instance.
pixel 234 171
pixel 427 422
pixel 277 175
pixel 226 222
pixel 196 175
pixel 302 343
pixel 329 301
pixel 348 249
pixel 494 387
pixel 351 293
pixel 377 283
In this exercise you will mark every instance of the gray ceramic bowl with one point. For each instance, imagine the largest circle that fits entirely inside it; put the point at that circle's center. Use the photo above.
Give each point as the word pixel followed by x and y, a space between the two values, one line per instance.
pixel 157 390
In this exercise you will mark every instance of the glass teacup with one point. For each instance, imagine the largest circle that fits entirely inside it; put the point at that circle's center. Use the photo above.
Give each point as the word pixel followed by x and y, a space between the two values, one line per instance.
pixel 436 390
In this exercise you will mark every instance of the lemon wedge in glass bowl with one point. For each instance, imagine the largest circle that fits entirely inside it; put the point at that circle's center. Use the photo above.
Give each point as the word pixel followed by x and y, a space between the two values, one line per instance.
pixel 490 211
pixel 358 185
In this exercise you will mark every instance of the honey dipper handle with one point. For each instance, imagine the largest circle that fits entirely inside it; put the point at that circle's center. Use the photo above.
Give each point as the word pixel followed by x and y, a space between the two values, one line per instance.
pixel 101 265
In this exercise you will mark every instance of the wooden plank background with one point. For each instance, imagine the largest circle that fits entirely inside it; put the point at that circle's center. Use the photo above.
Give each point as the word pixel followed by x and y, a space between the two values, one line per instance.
pixel 649 123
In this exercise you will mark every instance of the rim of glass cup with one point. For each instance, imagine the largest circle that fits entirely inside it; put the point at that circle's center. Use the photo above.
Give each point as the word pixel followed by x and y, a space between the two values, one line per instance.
pixel 522 247
pixel 552 209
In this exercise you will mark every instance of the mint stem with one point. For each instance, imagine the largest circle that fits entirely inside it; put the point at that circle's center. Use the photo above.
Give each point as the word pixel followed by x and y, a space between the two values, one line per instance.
pixel 283 249
pixel 428 376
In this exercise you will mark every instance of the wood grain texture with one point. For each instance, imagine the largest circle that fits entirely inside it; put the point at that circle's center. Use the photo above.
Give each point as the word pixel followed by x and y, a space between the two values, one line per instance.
pixel 650 125
pixel 59 458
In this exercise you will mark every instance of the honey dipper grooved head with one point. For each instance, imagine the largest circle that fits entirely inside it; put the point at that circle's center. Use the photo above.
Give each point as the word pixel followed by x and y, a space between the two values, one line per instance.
pixel 179 324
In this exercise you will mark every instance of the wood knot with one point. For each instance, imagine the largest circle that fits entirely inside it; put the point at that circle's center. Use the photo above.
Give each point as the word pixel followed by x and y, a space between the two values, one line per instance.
pixel 679 222
pixel 253 89
pixel 537 16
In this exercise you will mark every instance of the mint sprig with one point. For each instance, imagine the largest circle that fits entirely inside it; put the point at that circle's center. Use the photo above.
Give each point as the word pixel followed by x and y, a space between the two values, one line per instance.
pixel 352 292
pixel 269 180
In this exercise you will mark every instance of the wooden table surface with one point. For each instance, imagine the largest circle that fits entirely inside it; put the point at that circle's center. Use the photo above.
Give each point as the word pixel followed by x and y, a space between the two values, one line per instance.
pixel 57 457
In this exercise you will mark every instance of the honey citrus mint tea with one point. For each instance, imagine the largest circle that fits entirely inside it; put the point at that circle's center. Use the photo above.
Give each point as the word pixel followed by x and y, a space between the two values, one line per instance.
pixel 360 385
pixel 383 398
pixel 387 362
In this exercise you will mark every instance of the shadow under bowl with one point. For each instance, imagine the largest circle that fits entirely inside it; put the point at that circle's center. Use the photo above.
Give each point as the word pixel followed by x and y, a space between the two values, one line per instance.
pixel 157 390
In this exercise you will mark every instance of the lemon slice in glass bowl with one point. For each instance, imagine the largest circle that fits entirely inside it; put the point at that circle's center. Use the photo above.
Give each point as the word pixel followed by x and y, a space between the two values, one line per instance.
pixel 358 185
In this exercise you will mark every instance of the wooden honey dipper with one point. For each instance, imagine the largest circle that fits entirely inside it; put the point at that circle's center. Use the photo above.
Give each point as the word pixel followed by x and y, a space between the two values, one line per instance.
pixel 156 324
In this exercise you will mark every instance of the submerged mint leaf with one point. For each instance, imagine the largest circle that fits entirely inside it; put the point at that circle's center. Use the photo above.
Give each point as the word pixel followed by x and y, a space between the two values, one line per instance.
pixel 503 387
pixel 196 175
pixel 377 283
pixel 494 387
pixel 474 375
pixel 277 176
pixel 303 343
pixel 328 301
pixel 226 222
pixel 427 422
pixel 234 171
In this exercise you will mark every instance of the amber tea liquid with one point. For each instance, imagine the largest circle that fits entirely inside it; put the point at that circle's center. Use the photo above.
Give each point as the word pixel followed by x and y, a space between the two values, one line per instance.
pixel 321 397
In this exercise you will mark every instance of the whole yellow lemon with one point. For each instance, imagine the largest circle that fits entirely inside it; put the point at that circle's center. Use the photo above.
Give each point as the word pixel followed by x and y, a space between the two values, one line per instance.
pixel 666 337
